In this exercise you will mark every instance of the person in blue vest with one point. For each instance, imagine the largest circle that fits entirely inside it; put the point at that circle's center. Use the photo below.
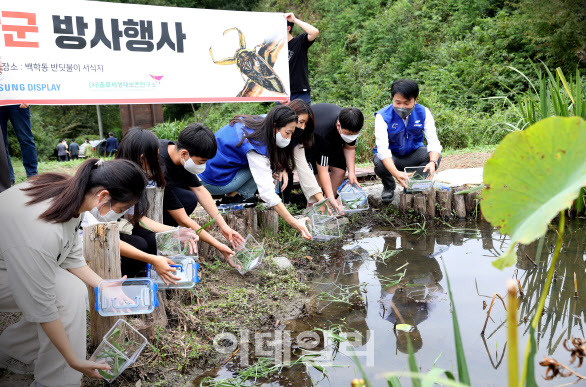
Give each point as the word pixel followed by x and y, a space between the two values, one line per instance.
pixel 250 151
pixel 400 130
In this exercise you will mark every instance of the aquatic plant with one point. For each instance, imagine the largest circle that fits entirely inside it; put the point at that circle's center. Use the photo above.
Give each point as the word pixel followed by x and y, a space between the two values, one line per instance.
pixel 532 176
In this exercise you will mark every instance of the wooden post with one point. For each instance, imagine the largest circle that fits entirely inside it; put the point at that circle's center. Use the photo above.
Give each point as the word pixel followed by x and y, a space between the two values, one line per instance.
pixel 101 249
pixel 243 221
pixel 486 233
pixel 459 204
pixel 269 222
pixel 155 199
pixel 420 204
pixel 430 197
pixel 459 236
pixel 444 198
pixel 406 202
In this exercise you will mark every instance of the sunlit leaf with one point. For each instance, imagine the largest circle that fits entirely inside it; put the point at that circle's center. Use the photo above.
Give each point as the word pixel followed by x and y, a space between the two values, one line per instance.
pixel 532 176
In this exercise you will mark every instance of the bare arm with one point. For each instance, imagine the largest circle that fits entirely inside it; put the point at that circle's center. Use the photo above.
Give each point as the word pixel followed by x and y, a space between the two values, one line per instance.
pixel 56 333
pixel 400 176
pixel 153 225
pixel 350 157
pixel 87 275
pixel 207 202
pixel 312 32
pixel 287 217
pixel 184 220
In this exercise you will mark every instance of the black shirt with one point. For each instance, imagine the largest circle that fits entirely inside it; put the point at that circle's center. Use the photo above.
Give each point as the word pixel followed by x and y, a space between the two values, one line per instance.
pixel 298 73
pixel 327 141
pixel 176 176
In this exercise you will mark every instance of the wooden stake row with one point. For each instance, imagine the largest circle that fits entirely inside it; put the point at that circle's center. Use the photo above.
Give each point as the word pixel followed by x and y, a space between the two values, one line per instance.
pixel 443 203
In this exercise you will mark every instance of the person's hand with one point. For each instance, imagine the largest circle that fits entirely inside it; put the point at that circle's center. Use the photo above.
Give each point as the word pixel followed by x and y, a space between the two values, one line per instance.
pixel 337 205
pixel 188 236
pixel 228 254
pixel 290 17
pixel 302 228
pixel 23 105
pixel 165 271
pixel 283 177
pixel 232 236
pixel 431 168
pixel 89 368
pixel 352 179
pixel 401 178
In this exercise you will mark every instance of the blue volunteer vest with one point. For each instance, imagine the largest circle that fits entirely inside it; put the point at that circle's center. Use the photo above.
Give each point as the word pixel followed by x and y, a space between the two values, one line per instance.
pixel 404 140
pixel 230 158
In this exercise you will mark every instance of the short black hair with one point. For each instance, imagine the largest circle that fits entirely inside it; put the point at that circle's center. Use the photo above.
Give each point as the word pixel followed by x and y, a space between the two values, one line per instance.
pixel 290 24
pixel 351 119
pixel 111 134
pixel 87 139
pixel 406 87
pixel 198 140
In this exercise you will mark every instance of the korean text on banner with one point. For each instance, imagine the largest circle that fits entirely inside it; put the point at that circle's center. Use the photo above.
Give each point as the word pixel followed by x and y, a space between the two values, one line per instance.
pixel 87 52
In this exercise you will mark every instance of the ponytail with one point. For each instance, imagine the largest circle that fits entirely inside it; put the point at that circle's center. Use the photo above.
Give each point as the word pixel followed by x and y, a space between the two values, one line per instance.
pixel 123 179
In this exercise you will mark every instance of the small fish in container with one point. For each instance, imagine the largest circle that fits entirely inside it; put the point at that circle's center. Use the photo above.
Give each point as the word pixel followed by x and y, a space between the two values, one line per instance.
pixel 418 180
pixel 119 348
pixel 323 207
pixel 324 227
pixel 125 297
pixel 178 241
pixel 248 255
pixel 352 198
pixel 185 268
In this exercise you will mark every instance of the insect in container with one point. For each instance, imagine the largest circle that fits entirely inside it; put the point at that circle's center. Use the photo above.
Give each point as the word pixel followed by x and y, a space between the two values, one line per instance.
pixel 252 65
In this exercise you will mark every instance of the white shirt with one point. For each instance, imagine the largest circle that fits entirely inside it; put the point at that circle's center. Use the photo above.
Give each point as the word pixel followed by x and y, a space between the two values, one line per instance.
pixel 307 179
pixel 260 167
pixel 382 136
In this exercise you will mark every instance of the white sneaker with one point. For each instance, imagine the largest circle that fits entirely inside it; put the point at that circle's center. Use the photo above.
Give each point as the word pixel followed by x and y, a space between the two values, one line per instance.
pixel 15 366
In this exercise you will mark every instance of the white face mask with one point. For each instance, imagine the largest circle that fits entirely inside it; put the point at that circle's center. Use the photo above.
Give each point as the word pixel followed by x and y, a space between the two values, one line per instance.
pixel 192 167
pixel 111 216
pixel 348 138
pixel 281 141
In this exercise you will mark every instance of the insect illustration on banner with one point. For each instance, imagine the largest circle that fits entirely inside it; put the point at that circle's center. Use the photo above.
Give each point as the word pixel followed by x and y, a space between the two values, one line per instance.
pixel 256 66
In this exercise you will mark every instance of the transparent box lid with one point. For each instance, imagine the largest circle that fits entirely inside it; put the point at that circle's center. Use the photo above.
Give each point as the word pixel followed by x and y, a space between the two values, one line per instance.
pixel 185 268
pixel 352 198
pixel 131 296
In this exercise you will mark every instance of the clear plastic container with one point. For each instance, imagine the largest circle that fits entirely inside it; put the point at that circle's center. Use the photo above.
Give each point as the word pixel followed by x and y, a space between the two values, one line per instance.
pixel 418 181
pixel 225 208
pixel 352 198
pixel 248 255
pixel 324 227
pixel 119 348
pixel 170 244
pixel 323 207
pixel 131 296
pixel 186 269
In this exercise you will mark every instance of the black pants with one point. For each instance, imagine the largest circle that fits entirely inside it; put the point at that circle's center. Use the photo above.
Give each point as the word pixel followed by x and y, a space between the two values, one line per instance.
pixel 420 157
pixel 144 240
pixel 62 158
pixel 187 199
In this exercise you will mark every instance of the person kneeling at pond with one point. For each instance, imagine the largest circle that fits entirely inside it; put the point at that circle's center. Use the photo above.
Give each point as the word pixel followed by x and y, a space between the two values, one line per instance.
pixel 182 161
pixel 336 132
pixel 250 150
pixel 400 129
pixel 42 269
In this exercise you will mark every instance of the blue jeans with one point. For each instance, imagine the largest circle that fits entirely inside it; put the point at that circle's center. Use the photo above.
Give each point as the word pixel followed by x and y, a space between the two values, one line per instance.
pixel 243 183
pixel 21 122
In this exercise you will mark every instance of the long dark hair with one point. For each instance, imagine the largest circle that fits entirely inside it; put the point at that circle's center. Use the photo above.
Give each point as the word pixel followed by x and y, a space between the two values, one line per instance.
pixel 263 132
pixel 139 142
pixel 301 107
pixel 124 180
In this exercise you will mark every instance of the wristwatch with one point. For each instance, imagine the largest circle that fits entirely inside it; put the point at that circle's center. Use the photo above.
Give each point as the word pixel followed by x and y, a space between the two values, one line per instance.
pixel 436 164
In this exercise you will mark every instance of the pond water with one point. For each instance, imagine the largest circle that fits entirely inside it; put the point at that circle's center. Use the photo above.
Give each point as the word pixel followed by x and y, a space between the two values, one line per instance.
pixel 356 292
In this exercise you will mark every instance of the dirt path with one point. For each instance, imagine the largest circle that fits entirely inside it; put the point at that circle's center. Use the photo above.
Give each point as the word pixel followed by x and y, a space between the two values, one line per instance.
pixel 464 160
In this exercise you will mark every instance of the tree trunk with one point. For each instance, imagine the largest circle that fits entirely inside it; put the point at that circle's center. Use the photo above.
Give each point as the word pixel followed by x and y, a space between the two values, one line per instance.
pixel 444 198
pixel 155 199
pixel 101 249
pixel 420 204
pixel 269 222
pixel 459 204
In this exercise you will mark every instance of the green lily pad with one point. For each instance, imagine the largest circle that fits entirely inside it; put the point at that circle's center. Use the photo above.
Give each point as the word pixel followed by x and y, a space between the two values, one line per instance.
pixel 532 176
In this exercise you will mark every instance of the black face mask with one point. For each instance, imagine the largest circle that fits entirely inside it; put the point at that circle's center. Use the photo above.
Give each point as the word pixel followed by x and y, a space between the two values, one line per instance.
pixel 298 133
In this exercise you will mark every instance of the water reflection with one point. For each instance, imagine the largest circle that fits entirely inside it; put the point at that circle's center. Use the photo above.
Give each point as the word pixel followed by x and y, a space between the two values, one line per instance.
pixel 361 292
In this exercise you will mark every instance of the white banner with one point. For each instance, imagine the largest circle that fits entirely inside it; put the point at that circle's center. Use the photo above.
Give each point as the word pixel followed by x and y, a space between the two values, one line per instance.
pixel 85 52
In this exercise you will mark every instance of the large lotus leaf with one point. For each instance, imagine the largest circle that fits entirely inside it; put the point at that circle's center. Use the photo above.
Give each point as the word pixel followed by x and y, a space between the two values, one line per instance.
pixel 531 177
